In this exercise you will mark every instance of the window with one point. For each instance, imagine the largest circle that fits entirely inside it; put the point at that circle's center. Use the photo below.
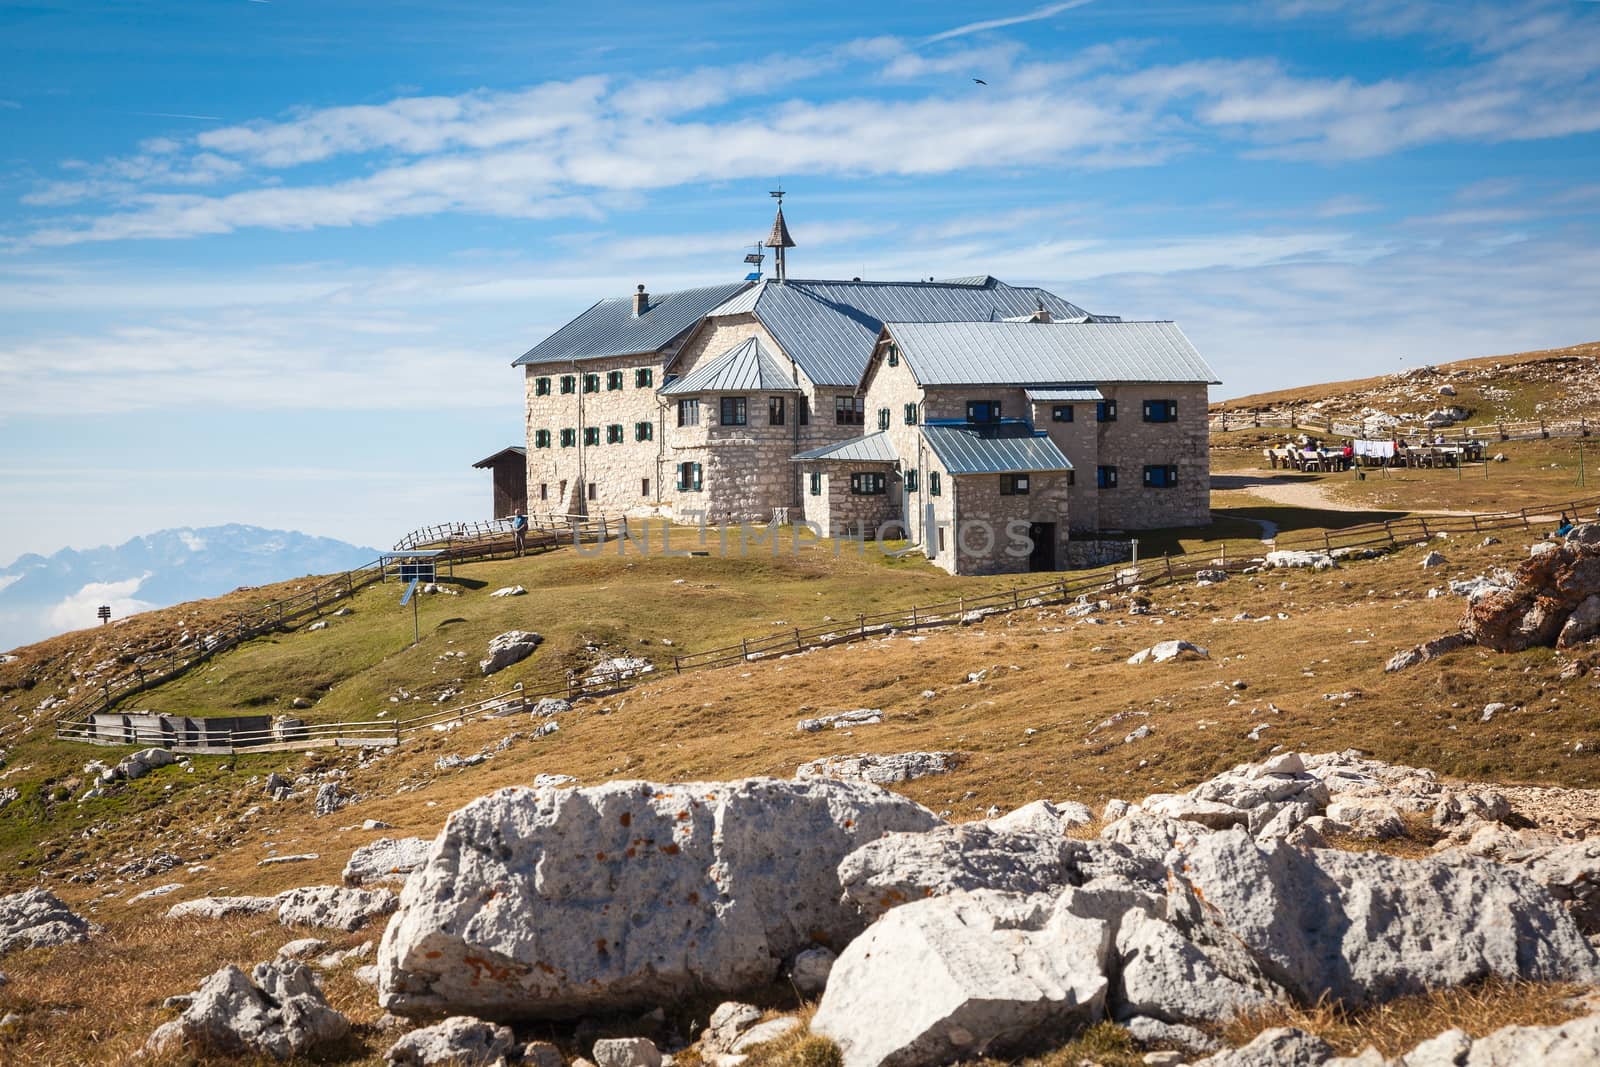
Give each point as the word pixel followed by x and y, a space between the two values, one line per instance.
pixel 1061 413
pixel 544 490
pixel 644 483
pixel 569 384
pixel 1161 476
pixel 591 435
pixel 941 539
pixel 541 439
pixel 614 434
pixel 849 410
pixel 541 387
pixel 1105 411
pixel 591 383
pixel 1013 485
pixel 733 413
pixel 591 491
pixel 643 431
pixel 689 476
pixel 613 380
pixel 983 411
pixel 911 414
pixel 1106 477
pixel 883 418
pixel 894 355
pixel 911 481
pixel 1160 411
pixel 775 411
pixel 933 486
pixel 688 413
pixel 816 483
pixel 1072 477
pixel 569 438
pixel 643 378
pixel 867 483
pixel 802 408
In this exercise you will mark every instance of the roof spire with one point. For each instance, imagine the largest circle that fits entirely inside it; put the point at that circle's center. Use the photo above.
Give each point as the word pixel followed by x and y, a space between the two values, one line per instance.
pixel 779 240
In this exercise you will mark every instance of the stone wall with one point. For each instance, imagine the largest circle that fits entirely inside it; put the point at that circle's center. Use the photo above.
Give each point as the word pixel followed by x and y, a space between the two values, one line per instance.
pixel 558 477
pixel 982 510
pixel 1130 443
pixel 838 512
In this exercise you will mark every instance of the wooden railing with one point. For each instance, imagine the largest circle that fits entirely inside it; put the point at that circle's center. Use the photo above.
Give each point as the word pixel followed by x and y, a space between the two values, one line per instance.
pixel 77 724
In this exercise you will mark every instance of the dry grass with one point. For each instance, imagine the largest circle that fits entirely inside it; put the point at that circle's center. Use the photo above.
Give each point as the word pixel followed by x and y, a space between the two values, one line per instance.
pixel 1399 1025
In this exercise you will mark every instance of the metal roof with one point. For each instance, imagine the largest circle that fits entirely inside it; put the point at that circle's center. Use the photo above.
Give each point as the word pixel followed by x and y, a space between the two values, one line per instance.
pixel 1046 353
pixel 830 327
pixel 1064 395
pixel 779 237
pixel 747 367
pixel 488 461
pixel 610 327
pixel 873 448
pixel 993 448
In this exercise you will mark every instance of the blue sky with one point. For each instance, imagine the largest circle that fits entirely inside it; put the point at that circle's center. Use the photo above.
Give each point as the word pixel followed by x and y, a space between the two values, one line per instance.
pixel 269 262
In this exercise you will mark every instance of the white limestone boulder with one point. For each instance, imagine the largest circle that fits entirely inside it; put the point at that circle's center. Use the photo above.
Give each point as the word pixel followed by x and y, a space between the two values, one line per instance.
pixel 880 769
pixel 278 1011
pixel 388 859
pixel 1283 1046
pixel 1161 975
pixel 1044 817
pixel 810 968
pixel 1168 651
pixel 222 907
pixel 561 902
pixel 1363 927
pixel 37 918
pixel 1571 874
pixel 627 1052
pixel 459 1041
pixel 513 646
pixel 968 975
pixel 336 907
pixel 1569 1044
pixel 902 867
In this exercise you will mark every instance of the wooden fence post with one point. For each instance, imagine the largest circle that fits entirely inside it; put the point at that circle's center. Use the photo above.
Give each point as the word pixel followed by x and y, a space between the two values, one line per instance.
pixel 798 644
pixel 862 620
pixel 677 665
pixel 1423 522
pixel 745 645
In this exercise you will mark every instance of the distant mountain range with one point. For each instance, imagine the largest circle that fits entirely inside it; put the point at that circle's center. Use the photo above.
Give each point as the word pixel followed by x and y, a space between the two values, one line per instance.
pixel 45 595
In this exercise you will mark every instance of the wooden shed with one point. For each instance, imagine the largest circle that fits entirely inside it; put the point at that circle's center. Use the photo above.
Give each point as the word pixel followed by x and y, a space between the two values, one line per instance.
pixel 510 467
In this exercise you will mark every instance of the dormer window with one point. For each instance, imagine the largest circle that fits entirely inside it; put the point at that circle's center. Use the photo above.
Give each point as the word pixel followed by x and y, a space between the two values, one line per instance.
pixel 983 411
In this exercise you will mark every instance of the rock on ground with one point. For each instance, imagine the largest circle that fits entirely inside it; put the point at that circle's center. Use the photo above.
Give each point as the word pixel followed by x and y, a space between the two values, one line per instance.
pixel 810 969
pixel 841 720
pixel 1045 817
pixel 388 859
pixel 330 798
pixel 37 918
pixel 1163 976
pixel 513 646
pixel 278 1011
pixel 879 769
pixel 1166 651
pixel 1551 590
pixel 221 907
pixel 1570 1044
pixel 627 1052
pixel 971 974
pixel 1281 1047
pixel 561 902
pixel 334 906
pixel 459 1041
pixel 1362 927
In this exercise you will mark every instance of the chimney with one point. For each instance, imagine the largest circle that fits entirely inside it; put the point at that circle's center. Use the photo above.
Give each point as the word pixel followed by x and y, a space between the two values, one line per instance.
pixel 641 302
pixel 1041 313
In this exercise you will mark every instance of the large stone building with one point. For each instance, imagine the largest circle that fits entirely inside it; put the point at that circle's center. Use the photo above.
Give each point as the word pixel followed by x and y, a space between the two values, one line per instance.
pixel 988 423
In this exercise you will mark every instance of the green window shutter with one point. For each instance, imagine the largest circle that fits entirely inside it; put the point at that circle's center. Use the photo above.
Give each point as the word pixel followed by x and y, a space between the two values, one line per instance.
pixel 911 414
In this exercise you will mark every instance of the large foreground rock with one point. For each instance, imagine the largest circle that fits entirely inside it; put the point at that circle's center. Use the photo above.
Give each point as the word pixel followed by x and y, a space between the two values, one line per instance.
pixel 513 646
pixel 1571 1044
pixel 1361 927
pixel 963 976
pixel 37 918
pixel 1549 591
pixel 276 1011
pixel 559 902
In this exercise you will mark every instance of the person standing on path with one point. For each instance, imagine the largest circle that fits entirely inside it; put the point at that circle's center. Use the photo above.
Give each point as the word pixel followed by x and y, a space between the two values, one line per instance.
pixel 519 527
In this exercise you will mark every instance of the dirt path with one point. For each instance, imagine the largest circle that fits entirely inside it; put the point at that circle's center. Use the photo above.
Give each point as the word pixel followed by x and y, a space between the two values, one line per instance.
pixel 1293 491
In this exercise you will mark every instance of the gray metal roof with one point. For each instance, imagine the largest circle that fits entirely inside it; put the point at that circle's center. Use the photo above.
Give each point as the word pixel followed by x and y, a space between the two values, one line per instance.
pixel 747 367
pixel 830 327
pixel 513 450
pixel 610 327
pixel 1064 395
pixel 1046 353
pixel 993 448
pixel 873 448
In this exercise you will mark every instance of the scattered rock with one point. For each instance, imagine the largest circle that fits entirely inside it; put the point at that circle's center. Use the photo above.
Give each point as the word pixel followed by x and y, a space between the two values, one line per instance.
pixel 1045 817
pixel 981 973
pixel 842 720
pixel 1296 558
pixel 459 1041
pixel 510 590
pixel 627 1052
pixel 618 669
pixel 334 906
pixel 1426 651
pixel 1554 598
pixel 222 907
pixel 703 886
pixel 1433 559
pixel 301 948
pixel 761 1033
pixel 1166 651
pixel 330 798
pixel 879 769
pixel 1281 1047
pixel 387 859
pixel 549 706
pixel 513 646
pixel 278 1011
pixel 37 918
pixel 452 761
pixel 810 969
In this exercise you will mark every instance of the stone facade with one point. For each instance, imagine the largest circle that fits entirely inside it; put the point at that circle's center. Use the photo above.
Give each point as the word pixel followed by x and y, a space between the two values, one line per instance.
pixel 993 529
pixel 839 511
pixel 625 474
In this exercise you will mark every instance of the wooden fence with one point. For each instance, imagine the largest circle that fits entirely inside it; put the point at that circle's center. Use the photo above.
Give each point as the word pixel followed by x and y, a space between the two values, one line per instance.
pixel 78 724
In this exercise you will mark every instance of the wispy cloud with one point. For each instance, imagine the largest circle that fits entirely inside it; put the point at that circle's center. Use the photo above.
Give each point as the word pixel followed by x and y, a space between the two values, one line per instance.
pixel 1048 11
